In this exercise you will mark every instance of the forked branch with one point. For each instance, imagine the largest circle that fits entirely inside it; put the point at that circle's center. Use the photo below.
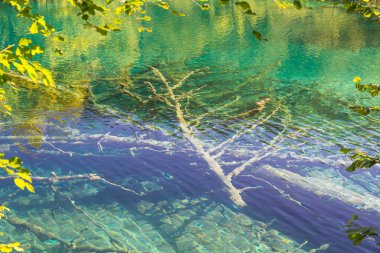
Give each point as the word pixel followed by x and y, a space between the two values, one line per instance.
pixel 174 102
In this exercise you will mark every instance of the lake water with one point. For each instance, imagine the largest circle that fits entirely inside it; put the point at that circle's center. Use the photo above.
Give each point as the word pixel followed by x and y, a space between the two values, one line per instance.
pixel 271 113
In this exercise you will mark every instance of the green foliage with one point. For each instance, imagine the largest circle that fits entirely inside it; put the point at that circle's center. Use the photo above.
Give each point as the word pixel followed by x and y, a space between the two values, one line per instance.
pixel 38 23
pixel 372 89
pixel 19 58
pixel 8 247
pixel 13 168
pixel 135 8
pixel 364 110
pixel 360 159
pixel 363 7
pixel 246 8
pixel 357 233
pixel 6 108
pixel 297 4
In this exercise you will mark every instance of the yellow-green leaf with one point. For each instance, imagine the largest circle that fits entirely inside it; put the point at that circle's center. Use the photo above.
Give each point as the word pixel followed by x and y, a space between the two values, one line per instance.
pixel 356 79
pixel 34 28
pixel 20 183
pixel 29 187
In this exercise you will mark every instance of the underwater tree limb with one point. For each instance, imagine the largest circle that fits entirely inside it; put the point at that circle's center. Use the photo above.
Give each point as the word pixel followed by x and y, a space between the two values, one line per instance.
pixel 187 76
pixel 278 139
pixel 190 135
pixel 44 235
pixel 22 78
pixel 259 107
pixel 198 145
pixel 113 241
pixel 91 177
pixel 200 117
pixel 323 187
pixel 244 131
pixel 282 192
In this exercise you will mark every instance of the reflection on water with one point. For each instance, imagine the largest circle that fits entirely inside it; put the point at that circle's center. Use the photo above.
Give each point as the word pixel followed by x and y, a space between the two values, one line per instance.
pixel 262 119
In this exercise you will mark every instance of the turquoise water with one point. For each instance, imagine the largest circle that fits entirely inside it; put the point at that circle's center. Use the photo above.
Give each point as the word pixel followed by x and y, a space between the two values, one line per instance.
pixel 173 200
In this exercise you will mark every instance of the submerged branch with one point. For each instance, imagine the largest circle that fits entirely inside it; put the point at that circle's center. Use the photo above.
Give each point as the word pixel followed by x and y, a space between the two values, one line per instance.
pixel 91 177
pixel 244 131
pixel 131 94
pixel 260 106
pixel 44 235
pixel 187 76
pixel 200 117
pixel 173 100
pixel 264 152
pixel 113 241
pixel 323 187
pixel 280 191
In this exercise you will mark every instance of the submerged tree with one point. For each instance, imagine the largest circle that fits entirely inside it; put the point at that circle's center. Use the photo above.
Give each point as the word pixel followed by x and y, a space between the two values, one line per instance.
pixel 177 101
pixel 17 65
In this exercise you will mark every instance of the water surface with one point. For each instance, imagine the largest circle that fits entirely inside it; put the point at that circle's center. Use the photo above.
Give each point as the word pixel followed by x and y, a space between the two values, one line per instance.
pixel 305 68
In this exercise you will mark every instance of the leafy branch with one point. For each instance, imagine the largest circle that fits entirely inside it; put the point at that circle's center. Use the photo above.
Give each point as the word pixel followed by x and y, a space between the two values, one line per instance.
pixel 357 233
pixel 360 159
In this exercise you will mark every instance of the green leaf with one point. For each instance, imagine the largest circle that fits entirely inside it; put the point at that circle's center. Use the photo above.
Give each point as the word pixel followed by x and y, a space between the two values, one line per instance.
pixel 101 30
pixel 20 183
pixel 244 5
pixel 257 34
pixel 297 4
pixel 58 38
pixel 58 51
pixel 177 13
pixel 345 150
pixel 34 28
pixel 250 12
pixel 24 42
pixel 15 160
pixel 29 187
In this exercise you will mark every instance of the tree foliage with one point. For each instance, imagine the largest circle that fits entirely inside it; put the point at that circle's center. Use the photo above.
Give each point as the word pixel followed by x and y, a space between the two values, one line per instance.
pixel 357 233
pixel 362 160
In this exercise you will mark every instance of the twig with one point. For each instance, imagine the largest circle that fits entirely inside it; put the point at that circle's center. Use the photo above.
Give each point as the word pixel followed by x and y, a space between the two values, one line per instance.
pixel 249 188
pixel 8 47
pixel 131 94
pixel 91 177
pixel 200 117
pixel 158 96
pixel 260 106
pixel 187 76
pixel 244 131
pixel 271 145
pixel 113 241
pixel 282 192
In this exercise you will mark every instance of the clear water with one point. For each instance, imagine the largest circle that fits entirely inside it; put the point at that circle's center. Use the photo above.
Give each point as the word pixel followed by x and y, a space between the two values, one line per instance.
pixel 306 69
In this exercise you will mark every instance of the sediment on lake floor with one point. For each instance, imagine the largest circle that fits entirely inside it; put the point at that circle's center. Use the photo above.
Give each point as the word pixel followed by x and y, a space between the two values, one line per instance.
pixel 51 224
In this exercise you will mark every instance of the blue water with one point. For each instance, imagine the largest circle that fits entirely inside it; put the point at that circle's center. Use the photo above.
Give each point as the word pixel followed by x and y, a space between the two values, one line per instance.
pixel 306 68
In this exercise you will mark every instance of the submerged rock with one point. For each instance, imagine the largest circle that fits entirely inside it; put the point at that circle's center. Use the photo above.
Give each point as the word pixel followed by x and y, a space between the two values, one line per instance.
pixel 51 242
pixel 151 186
pixel 183 225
